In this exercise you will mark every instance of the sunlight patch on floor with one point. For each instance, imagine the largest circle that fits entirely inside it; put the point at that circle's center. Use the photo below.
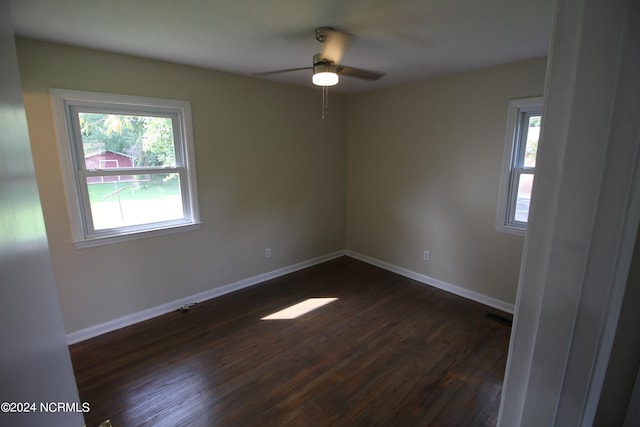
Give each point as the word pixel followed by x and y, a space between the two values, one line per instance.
pixel 299 309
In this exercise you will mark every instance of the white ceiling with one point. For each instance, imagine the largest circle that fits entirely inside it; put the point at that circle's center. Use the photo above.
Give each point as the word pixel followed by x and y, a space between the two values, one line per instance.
pixel 409 40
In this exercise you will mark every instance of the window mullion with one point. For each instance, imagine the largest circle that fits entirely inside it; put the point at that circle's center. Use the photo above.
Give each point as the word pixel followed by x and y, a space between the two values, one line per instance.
pixel 129 171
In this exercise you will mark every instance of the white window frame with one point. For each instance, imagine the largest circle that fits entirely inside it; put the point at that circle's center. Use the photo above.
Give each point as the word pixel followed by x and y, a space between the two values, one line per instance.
pixel 65 104
pixel 511 169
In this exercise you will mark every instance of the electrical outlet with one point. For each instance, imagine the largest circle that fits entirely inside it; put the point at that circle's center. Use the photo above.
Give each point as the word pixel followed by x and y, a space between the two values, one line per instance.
pixel 267 253
pixel 425 255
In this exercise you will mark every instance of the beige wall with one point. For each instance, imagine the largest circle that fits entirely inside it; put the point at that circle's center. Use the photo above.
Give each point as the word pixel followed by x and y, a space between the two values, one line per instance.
pixel 270 173
pixel 423 170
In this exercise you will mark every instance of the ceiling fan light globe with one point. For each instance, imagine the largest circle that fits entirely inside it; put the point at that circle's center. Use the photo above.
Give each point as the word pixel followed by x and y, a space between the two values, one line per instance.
pixel 324 74
pixel 325 78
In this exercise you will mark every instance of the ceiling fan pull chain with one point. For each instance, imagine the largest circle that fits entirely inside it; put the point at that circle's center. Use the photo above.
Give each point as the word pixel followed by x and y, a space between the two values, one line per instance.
pixel 325 101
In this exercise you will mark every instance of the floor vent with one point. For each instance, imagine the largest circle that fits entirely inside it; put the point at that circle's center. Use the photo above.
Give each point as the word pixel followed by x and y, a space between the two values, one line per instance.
pixel 499 318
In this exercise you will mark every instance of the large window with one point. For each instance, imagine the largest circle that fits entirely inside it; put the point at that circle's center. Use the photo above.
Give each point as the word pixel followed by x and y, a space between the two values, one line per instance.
pixel 519 164
pixel 128 165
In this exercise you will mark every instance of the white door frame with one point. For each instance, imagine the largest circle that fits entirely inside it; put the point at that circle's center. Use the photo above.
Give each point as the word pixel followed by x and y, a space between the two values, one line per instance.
pixel 584 218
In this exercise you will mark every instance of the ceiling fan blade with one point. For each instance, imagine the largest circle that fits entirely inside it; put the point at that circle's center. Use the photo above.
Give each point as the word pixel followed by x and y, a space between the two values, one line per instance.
pixel 334 45
pixel 287 70
pixel 359 73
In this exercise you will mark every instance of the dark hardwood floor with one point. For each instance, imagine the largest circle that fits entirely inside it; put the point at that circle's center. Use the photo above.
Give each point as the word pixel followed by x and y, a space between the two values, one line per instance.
pixel 388 352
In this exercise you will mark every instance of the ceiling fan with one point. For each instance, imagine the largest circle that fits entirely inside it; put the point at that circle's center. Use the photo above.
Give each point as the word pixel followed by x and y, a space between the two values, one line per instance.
pixel 326 64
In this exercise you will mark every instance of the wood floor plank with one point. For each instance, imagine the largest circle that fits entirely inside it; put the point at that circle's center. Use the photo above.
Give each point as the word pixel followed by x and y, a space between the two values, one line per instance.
pixel 389 351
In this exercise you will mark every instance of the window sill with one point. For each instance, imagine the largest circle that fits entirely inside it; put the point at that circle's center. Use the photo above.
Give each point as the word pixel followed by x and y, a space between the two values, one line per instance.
pixel 99 241
pixel 516 231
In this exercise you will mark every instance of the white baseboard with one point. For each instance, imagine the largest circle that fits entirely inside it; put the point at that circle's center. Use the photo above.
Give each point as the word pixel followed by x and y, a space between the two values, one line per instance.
pixel 457 290
pixel 130 319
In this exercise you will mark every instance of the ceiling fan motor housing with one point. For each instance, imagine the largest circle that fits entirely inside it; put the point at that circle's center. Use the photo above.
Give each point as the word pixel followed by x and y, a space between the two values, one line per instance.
pixel 318 60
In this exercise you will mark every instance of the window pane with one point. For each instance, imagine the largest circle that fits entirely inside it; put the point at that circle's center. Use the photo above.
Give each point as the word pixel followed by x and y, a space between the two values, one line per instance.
pixel 118 201
pixel 531 148
pixel 523 198
pixel 126 141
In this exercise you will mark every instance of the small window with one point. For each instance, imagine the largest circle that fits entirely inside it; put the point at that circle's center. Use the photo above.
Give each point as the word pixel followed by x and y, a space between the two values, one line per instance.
pixel 128 165
pixel 519 164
